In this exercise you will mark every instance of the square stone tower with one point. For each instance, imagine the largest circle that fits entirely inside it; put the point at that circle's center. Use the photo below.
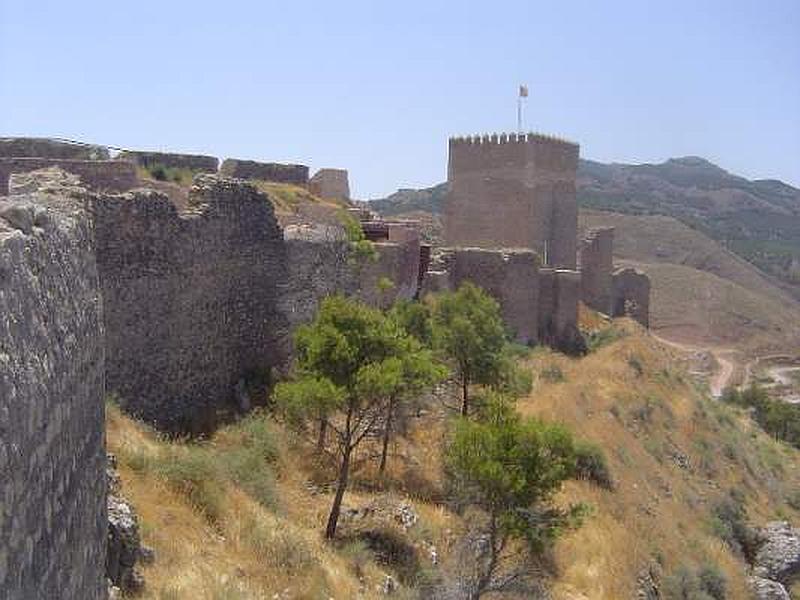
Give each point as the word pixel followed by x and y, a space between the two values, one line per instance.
pixel 513 191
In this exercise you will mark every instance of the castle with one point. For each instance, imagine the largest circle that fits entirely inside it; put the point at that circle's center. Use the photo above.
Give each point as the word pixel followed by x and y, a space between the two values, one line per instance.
pixel 174 306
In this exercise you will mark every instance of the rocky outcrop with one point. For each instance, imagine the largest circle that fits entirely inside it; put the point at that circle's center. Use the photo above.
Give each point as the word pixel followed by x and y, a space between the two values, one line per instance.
pixel 778 558
pixel 124 548
pixel 767 589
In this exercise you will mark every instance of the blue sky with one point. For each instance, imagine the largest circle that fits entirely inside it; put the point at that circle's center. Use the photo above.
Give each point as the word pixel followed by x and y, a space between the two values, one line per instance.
pixel 377 87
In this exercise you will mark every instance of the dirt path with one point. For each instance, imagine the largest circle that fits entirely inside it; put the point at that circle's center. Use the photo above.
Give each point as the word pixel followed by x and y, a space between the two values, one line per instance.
pixel 722 377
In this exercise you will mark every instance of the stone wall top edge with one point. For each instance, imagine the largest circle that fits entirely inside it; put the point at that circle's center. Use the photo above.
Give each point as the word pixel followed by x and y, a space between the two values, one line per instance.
pixel 246 161
pixel 510 138
pixel 478 249
pixel 629 271
pixel 62 161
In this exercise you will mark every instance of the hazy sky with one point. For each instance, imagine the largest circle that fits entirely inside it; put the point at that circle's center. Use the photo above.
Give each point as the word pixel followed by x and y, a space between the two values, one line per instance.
pixel 377 87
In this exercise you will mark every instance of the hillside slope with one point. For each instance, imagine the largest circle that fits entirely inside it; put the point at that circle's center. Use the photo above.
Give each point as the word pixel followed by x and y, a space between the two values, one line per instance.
pixel 758 220
pixel 676 458
pixel 241 515
pixel 701 292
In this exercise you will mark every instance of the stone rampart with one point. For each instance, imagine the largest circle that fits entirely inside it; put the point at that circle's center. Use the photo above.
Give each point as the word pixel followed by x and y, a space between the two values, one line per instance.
pixel 330 183
pixel 194 162
pixel 279 173
pixel 52 459
pixel 191 299
pixel 509 276
pixel 595 261
pixel 632 295
pixel 511 191
pixel 320 264
pixel 100 175
pixel 14 147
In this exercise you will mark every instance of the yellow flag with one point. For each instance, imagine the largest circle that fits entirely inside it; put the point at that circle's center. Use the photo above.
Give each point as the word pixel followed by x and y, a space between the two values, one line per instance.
pixel 523 91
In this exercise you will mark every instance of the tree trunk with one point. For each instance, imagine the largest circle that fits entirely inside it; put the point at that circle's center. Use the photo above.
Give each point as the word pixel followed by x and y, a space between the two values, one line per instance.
pixel 344 473
pixel 485 578
pixel 464 396
pixel 323 430
pixel 387 432
pixel 341 486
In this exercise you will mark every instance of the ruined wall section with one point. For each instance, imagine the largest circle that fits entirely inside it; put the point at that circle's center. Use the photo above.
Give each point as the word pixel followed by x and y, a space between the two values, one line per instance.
pixel 513 191
pixel 52 459
pixel 11 147
pixel 277 172
pixel 509 276
pixel 560 291
pixel 330 183
pixel 319 265
pixel 191 299
pixel 595 260
pixel 100 175
pixel 194 162
pixel 631 295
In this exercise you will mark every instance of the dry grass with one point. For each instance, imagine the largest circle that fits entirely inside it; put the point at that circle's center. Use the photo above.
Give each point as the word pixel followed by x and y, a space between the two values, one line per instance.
pixel 627 398
pixel 242 548
pixel 702 293
pixel 672 455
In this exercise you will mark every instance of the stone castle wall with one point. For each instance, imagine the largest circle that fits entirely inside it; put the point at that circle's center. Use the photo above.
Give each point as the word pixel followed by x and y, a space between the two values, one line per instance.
pixel 595 260
pixel 320 264
pixel 631 295
pixel 52 459
pixel 249 169
pixel 191 299
pixel 559 292
pixel 106 175
pixel 194 162
pixel 513 191
pixel 318 260
pixel 49 148
pixel 509 276
pixel 330 183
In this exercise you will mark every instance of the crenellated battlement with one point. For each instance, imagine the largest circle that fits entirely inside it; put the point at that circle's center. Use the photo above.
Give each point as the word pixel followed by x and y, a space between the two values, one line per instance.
pixel 530 154
pixel 509 138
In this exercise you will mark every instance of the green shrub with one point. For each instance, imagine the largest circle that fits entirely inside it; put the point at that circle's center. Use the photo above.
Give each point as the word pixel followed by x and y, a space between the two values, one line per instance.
pixel 708 583
pixel 591 465
pixel 602 337
pixel 553 374
pixel 278 547
pixel 248 461
pixel 713 581
pixel 158 172
pixel 729 523
pixel 193 471
pixel 635 364
pixel 249 472
pixel 779 419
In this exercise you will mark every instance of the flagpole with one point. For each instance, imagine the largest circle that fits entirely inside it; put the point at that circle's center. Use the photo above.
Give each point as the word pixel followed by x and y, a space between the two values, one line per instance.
pixel 519 113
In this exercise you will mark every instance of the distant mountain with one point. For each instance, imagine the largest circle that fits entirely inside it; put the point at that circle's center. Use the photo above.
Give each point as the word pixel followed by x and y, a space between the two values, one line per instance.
pixel 757 219
pixel 410 200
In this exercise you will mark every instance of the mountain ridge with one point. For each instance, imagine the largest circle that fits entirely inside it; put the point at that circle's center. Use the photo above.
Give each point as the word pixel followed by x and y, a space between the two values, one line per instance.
pixel 758 220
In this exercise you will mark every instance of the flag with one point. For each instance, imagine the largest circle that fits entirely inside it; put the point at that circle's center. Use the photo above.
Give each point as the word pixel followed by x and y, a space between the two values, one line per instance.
pixel 523 91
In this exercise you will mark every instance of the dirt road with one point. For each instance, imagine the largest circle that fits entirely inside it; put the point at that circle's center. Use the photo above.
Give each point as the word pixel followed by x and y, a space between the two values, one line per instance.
pixel 725 364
